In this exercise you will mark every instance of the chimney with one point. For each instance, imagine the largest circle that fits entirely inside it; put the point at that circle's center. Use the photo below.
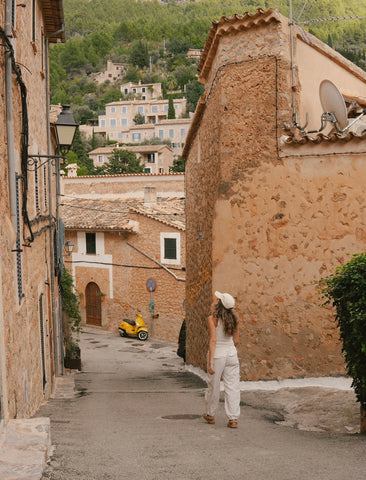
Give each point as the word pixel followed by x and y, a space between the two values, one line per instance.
pixel 72 170
pixel 149 195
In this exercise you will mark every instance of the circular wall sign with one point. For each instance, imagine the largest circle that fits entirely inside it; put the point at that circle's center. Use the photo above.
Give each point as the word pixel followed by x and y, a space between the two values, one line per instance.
pixel 151 285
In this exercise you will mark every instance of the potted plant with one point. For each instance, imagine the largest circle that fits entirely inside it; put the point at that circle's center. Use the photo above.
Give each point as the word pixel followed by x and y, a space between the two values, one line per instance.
pixel 102 296
pixel 71 319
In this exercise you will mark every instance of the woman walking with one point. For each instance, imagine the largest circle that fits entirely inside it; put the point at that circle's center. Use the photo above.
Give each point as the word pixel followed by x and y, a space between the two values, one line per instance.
pixel 223 360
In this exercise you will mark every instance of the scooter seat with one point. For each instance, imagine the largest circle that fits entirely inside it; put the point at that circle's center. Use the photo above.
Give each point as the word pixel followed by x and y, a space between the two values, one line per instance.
pixel 130 322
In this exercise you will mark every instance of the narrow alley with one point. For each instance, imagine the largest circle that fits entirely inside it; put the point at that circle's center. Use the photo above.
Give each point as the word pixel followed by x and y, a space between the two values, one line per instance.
pixel 136 414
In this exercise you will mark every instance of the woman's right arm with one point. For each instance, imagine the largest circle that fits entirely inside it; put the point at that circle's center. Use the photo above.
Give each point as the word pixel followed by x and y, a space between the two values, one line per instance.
pixel 211 344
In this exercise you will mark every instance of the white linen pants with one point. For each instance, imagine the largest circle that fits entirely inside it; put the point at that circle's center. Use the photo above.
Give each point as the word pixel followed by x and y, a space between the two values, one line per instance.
pixel 226 368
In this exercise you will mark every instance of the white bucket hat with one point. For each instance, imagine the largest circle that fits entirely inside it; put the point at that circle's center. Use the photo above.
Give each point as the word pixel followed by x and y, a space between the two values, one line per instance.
pixel 226 299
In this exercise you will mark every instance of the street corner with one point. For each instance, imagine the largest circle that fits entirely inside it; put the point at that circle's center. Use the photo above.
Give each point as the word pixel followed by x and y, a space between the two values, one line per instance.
pixel 313 409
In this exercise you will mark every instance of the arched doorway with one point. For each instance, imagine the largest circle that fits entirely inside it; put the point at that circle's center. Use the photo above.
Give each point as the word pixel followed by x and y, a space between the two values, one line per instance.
pixel 93 304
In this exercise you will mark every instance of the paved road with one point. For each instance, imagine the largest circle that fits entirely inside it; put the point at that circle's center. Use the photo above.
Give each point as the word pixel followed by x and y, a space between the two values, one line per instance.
pixel 137 415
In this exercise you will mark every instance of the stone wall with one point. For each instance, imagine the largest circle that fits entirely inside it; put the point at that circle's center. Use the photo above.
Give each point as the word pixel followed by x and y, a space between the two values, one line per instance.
pixel 124 279
pixel 124 186
pixel 266 221
pixel 24 368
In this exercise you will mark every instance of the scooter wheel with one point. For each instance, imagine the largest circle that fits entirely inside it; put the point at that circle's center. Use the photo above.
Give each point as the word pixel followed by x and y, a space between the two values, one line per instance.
pixel 142 335
pixel 122 332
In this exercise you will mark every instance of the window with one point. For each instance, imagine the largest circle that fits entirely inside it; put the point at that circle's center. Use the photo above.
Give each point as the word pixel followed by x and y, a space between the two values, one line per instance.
pixel 166 108
pixel 161 133
pixel 143 89
pixel 170 248
pixel 126 93
pixel 124 122
pixel 90 243
pixel 154 108
pixel 100 158
pixel 113 109
pixel 182 132
pixel 176 106
pixel 136 137
pixel 102 123
pixel 140 110
pixel 120 135
pixel 171 133
pixel 147 170
pixel 124 109
pixel 113 122
pixel 151 158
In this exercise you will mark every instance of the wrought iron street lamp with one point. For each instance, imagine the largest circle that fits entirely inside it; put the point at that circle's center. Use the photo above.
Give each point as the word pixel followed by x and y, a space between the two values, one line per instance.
pixel 65 130
pixel 69 247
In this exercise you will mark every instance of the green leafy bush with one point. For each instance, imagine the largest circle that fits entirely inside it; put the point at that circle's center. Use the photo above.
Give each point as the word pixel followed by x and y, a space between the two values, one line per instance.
pixel 71 314
pixel 346 291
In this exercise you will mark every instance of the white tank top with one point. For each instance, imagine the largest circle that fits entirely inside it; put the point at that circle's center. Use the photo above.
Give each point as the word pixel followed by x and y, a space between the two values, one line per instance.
pixel 224 345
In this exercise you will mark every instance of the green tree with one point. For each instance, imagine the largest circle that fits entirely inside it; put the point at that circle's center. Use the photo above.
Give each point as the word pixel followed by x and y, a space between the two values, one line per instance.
pixel 179 165
pixel 139 119
pixel 171 109
pixel 122 161
pixel 83 160
pixel 346 291
pixel 194 91
pixel 139 55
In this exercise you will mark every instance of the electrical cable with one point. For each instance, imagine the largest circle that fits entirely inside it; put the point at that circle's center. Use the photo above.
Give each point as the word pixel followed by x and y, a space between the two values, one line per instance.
pixel 24 136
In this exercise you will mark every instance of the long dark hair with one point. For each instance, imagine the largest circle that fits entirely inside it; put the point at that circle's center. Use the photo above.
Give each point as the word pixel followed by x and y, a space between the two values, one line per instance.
pixel 228 318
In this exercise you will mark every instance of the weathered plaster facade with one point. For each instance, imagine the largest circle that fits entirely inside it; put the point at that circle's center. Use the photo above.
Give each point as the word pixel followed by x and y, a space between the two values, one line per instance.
pixel 270 212
pixel 29 341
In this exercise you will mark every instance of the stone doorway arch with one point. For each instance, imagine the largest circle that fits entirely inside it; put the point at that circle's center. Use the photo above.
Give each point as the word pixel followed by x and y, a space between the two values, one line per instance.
pixel 93 304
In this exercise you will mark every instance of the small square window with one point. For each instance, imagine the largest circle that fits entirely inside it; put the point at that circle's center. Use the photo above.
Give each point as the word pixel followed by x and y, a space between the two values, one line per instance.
pixel 170 248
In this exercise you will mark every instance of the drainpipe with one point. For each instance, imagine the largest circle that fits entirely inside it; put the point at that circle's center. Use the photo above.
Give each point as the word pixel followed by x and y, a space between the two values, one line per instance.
pixel 9 116
pixel 57 325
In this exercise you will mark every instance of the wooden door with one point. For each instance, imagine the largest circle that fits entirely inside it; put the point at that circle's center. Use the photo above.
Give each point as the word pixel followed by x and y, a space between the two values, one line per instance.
pixel 93 304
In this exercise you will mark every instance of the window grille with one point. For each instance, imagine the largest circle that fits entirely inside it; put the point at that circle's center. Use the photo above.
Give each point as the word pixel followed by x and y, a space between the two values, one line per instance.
pixel 170 248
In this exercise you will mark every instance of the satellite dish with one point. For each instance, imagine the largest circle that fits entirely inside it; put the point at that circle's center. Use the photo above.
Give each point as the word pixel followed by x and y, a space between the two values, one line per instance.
pixel 333 102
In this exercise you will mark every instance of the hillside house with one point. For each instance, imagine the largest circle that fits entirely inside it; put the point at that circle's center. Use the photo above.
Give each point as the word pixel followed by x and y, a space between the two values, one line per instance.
pixel 118 122
pixel 145 91
pixel 30 328
pixel 272 206
pixel 128 231
pixel 156 158
pixel 113 73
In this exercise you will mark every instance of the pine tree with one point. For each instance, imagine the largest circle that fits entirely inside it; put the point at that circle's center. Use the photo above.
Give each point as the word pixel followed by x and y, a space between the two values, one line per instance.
pixel 171 110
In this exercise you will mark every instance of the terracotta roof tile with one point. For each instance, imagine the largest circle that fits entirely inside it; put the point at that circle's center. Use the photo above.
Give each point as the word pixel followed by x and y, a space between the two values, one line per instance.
pixel 96 214
pixel 320 137
pixel 170 211
pixel 227 25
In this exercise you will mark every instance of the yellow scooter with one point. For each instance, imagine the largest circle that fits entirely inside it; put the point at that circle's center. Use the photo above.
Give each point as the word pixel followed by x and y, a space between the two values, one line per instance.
pixel 134 328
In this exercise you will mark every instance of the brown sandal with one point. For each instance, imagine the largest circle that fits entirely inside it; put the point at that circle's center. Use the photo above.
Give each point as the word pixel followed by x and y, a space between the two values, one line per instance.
pixel 209 418
pixel 232 424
